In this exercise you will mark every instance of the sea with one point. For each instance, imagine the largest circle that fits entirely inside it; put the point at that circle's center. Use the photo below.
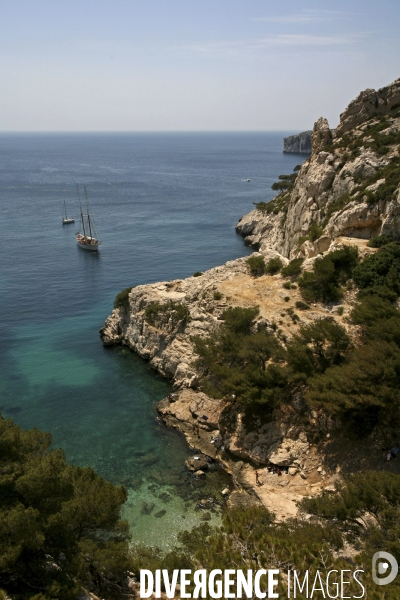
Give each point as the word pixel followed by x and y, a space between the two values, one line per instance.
pixel 165 206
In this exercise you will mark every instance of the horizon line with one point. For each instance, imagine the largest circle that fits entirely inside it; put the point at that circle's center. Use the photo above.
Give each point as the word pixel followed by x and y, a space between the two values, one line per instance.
pixel 127 131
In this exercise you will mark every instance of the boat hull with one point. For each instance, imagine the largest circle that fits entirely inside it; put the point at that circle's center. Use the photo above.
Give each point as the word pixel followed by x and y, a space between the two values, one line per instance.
pixel 92 245
pixel 89 248
pixel 68 221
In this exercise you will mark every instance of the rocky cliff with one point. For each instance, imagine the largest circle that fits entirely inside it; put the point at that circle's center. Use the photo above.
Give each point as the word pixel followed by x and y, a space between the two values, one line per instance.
pixel 349 186
pixel 345 192
pixel 300 143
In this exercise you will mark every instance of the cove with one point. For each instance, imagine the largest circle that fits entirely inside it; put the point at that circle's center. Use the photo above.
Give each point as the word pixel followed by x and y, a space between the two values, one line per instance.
pixel 165 206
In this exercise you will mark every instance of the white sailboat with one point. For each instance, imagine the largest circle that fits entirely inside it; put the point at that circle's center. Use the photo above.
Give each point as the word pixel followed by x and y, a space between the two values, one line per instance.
pixel 87 238
pixel 65 218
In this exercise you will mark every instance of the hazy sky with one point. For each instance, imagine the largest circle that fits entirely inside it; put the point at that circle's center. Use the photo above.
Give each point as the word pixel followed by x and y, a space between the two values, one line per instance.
pixel 123 65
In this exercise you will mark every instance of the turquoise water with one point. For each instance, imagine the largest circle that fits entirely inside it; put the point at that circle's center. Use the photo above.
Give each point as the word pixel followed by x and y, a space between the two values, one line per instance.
pixel 165 206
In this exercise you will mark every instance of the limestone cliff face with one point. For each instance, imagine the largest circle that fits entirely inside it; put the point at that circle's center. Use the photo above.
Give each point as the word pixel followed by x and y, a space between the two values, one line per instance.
pixel 163 338
pixel 369 104
pixel 299 143
pixel 331 189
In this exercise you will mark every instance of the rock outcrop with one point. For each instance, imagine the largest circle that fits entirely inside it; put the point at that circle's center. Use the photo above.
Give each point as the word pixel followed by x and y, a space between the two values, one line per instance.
pixel 161 337
pixel 342 186
pixel 150 323
pixel 299 143
pixel 369 104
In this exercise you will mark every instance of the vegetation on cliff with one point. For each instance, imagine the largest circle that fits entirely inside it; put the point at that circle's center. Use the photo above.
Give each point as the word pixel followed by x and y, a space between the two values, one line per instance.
pixel 324 282
pixel 122 299
pixel 60 529
pixel 359 383
pixel 285 186
pixel 177 312
pixel 258 267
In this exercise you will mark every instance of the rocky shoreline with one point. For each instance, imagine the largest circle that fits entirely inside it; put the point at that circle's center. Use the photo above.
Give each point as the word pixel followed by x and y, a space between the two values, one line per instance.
pixel 158 321
pixel 281 442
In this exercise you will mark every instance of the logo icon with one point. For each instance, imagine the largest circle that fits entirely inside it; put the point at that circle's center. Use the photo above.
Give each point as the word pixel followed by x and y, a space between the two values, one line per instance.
pixel 381 561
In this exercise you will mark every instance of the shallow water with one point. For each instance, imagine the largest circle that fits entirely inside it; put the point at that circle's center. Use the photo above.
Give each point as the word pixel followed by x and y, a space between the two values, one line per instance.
pixel 165 206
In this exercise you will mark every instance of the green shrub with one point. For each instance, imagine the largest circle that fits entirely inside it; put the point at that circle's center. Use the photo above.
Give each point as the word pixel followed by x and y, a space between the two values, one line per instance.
pixel 178 312
pixel 122 299
pixel 239 320
pixel 302 239
pixel 263 207
pixel 380 240
pixel 256 265
pixel 293 268
pixel 317 347
pixel 365 390
pixel 217 295
pixel 315 232
pixel 273 266
pixel 284 186
pixel 367 492
pixel 372 309
pixel 384 192
pixel 329 273
pixel 302 305
pixel 383 141
pixel 197 274
pixel 379 273
pixel 286 182
pixel 287 298
pixel 51 510
pixel 232 359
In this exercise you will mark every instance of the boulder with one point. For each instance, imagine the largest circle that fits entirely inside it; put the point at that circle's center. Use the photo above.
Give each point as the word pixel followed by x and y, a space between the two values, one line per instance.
pixel 197 462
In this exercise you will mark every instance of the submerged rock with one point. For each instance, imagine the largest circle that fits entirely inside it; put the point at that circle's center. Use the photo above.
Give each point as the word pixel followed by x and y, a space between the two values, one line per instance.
pixel 147 507
pixel 165 497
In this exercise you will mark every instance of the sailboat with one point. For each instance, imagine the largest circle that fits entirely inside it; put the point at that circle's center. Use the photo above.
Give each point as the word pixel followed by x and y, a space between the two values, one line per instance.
pixel 65 218
pixel 88 238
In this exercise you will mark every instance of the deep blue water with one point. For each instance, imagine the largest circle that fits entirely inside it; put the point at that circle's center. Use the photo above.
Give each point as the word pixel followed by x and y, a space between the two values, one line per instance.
pixel 165 206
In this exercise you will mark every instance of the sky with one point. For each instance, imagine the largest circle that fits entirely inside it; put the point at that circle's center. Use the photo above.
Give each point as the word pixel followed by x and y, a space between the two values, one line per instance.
pixel 190 65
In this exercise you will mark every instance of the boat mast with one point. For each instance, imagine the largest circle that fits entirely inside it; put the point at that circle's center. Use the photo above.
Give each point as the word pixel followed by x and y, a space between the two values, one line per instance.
pixel 80 208
pixel 87 208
